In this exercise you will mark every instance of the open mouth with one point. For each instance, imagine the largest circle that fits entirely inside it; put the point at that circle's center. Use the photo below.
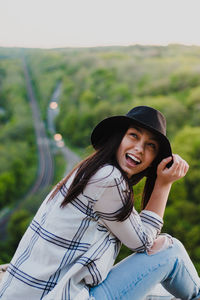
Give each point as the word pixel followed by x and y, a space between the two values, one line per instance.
pixel 132 159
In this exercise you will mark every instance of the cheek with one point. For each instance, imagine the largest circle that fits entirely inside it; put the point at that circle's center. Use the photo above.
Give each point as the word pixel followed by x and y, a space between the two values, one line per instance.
pixel 121 148
pixel 151 157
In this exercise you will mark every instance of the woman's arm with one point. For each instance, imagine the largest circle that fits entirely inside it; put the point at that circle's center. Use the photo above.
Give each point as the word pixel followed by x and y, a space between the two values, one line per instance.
pixel 165 178
pixel 138 231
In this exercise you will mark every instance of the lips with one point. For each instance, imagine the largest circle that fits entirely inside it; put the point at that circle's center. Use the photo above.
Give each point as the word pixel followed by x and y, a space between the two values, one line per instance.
pixel 133 160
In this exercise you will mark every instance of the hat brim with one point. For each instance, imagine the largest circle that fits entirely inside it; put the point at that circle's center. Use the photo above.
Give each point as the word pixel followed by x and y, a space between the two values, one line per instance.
pixel 106 127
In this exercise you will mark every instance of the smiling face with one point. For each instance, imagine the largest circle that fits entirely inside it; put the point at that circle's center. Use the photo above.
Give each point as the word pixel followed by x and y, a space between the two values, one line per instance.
pixel 138 149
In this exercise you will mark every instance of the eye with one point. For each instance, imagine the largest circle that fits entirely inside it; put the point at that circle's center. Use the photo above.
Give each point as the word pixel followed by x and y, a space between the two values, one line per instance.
pixel 133 134
pixel 153 146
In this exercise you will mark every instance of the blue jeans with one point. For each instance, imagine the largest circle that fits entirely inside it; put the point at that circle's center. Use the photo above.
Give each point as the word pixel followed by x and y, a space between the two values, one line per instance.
pixel 135 276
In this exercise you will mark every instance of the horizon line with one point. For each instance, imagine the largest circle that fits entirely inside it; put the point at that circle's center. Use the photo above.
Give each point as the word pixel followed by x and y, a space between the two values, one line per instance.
pixel 102 46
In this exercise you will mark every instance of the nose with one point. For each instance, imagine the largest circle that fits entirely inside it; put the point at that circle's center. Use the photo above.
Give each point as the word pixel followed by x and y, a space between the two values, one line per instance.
pixel 139 147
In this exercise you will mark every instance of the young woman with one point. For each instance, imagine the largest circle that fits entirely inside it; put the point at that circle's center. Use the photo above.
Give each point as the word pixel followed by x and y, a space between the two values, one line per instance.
pixel 70 247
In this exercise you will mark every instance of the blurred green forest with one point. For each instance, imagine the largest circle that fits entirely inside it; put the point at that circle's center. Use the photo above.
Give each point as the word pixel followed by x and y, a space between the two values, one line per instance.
pixel 17 140
pixel 97 83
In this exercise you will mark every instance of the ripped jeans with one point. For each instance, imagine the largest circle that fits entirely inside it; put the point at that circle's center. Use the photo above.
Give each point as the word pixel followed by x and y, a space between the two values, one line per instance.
pixel 136 275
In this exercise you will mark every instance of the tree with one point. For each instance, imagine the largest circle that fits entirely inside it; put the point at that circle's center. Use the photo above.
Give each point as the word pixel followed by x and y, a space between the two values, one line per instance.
pixel 187 144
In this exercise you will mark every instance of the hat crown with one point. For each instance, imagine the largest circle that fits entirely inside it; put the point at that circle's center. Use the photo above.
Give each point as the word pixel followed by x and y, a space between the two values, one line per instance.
pixel 150 117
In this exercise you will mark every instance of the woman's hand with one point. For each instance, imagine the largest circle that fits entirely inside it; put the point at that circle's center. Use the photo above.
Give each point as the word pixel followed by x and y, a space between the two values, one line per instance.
pixel 177 170
pixel 165 177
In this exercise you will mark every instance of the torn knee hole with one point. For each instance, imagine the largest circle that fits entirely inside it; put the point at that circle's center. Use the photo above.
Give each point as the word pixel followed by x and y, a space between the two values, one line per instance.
pixel 162 242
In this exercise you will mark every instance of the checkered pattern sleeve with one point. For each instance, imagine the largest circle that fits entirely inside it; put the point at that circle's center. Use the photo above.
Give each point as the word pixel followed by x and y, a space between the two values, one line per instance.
pixel 138 231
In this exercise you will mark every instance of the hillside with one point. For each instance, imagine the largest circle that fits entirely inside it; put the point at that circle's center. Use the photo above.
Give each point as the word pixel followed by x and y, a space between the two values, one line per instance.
pixel 96 83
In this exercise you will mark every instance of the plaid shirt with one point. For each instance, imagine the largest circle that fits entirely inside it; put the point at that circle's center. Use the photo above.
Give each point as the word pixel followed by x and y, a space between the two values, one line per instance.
pixel 66 250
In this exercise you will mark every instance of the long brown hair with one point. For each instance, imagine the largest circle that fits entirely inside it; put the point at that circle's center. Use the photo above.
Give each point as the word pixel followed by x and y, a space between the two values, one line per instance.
pixel 89 166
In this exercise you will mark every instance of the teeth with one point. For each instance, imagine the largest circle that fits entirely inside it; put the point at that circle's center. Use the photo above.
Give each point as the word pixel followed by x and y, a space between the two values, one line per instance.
pixel 134 158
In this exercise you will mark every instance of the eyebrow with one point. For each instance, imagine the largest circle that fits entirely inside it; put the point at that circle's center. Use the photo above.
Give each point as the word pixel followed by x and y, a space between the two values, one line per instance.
pixel 153 137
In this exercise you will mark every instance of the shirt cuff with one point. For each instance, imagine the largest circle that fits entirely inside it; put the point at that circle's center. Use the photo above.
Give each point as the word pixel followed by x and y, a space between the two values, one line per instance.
pixel 152 219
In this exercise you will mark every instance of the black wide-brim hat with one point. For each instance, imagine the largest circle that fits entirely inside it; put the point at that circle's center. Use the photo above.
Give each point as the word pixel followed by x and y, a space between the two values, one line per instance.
pixel 142 116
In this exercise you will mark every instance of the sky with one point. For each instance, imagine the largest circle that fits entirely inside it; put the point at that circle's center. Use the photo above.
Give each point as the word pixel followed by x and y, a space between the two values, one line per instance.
pixel 89 23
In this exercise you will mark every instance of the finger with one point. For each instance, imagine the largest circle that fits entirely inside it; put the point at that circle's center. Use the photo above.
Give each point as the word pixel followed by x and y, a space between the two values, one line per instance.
pixel 181 170
pixel 181 166
pixel 178 169
pixel 176 164
pixel 184 168
pixel 163 163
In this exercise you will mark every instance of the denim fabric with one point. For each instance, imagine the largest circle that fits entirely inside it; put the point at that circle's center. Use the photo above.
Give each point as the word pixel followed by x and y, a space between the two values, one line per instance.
pixel 135 276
